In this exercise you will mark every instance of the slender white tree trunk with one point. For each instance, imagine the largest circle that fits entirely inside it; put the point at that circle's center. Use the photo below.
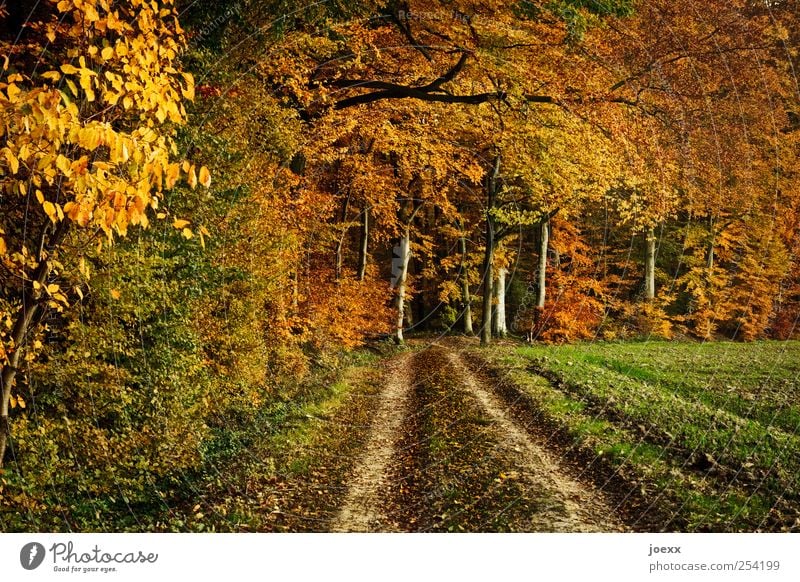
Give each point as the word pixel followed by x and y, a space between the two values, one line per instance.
pixel 710 255
pixel 650 266
pixel 363 247
pixel 488 257
pixel 404 255
pixel 500 310
pixel 544 241
pixel 466 300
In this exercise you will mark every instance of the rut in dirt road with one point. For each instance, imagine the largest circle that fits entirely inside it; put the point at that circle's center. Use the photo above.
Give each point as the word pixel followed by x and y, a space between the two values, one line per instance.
pixel 575 507
pixel 367 487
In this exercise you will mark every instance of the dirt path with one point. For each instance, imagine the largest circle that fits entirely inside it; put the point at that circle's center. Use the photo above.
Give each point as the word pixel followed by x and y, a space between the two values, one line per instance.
pixel 575 506
pixel 362 510
pixel 557 501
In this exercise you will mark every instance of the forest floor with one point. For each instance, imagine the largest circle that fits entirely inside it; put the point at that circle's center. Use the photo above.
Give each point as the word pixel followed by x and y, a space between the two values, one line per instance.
pixel 445 436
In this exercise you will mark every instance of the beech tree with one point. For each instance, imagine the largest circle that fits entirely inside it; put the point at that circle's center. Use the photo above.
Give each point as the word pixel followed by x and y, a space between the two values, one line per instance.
pixel 86 154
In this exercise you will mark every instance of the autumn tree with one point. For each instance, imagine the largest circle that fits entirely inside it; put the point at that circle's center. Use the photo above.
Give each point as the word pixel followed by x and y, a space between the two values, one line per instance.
pixel 87 102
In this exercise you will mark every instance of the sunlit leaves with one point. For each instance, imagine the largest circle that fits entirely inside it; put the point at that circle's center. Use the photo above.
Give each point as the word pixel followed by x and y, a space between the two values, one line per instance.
pixel 205 177
pixel 51 140
pixel 86 144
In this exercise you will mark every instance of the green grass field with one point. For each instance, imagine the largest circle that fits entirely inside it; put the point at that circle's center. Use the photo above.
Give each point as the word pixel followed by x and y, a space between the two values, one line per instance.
pixel 710 432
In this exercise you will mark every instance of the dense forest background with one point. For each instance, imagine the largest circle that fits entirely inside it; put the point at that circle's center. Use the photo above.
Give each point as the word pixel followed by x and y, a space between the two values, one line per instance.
pixel 205 205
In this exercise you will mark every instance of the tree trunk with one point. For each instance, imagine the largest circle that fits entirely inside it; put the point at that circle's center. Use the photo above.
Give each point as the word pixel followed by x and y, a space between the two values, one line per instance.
pixel 20 331
pixel 710 255
pixel 500 326
pixel 340 244
pixel 488 275
pixel 466 300
pixel 404 254
pixel 650 266
pixel 541 278
pixel 544 241
pixel 338 261
pixel 9 372
pixel 363 247
pixel 488 257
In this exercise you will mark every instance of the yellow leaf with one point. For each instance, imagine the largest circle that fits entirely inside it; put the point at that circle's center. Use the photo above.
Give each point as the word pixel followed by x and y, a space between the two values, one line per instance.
pixel 63 164
pixel 173 172
pixel 20 402
pixel 188 92
pixel 53 288
pixel 3 247
pixel 187 233
pixel 13 401
pixel 68 69
pixel 82 268
pixel 205 176
pixel 111 98
pixel 50 210
pixel 61 298
pixel 180 223
pixel 52 75
pixel 71 209
pixel 86 82
pixel 72 87
pixel 13 92
pixel 192 177
pixel 115 294
pixel 13 162
pixel 107 53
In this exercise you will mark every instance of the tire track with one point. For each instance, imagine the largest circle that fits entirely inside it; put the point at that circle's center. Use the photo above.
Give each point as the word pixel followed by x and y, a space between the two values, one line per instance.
pixel 576 507
pixel 362 510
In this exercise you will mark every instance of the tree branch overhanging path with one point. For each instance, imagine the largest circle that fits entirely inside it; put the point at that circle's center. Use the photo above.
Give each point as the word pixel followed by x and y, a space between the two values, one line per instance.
pixel 432 91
